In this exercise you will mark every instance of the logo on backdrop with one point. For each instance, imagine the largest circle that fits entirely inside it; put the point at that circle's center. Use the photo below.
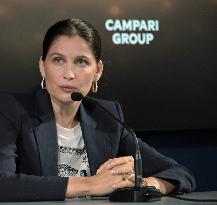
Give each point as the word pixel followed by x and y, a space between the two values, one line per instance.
pixel 132 31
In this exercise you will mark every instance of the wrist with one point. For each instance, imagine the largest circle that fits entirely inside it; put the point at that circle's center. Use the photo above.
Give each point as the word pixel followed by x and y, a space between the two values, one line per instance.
pixel 162 185
pixel 77 186
pixel 151 181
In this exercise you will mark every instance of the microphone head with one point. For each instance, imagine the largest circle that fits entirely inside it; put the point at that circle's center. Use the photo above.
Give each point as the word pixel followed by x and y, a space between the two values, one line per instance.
pixel 76 96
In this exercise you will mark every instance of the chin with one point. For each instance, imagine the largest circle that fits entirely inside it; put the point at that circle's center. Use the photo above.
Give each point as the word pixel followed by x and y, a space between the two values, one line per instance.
pixel 65 99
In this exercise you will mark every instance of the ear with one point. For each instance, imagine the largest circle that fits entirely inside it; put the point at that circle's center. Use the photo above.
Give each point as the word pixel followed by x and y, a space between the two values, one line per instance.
pixel 41 67
pixel 98 71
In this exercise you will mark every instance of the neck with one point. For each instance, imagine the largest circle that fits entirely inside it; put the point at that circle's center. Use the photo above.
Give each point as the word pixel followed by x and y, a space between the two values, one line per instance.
pixel 66 113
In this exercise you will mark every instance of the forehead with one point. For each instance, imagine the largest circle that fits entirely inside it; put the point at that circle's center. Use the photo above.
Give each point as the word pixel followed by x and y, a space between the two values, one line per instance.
pixel 70 45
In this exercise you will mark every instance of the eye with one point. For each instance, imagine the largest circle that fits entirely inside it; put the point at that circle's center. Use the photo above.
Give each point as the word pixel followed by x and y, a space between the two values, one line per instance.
pixel 58 60
pixel 81 61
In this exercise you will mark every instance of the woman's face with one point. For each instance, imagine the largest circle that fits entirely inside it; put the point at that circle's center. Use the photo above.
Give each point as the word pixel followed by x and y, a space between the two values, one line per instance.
pixel 70 66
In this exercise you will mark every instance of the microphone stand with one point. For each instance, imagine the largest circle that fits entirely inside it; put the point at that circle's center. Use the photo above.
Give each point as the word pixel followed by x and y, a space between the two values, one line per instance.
pixel 138 193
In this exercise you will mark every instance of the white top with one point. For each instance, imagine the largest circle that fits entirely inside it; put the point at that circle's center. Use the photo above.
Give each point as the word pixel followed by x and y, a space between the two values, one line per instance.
pixel 72 154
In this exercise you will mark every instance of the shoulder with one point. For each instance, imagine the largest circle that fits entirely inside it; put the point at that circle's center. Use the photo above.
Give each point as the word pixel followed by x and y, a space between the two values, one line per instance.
pixel 9 110
pixel 13 104
pixel 8 102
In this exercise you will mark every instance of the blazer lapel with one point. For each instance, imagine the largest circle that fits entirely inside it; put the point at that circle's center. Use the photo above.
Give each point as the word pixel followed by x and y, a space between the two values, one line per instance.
pixel 97 142
pixel 46 134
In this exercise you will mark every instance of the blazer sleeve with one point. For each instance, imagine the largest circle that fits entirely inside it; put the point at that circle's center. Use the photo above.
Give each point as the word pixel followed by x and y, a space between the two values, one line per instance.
pixel 19 186
pixel 155 164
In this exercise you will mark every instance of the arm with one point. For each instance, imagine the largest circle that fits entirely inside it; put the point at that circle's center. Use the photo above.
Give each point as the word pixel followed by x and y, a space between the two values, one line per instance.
pixel 98 185
pixel 172 176
pixel 125 166
pixel 21 180
pixel 164 186
pixel 165 172
pixel 21 184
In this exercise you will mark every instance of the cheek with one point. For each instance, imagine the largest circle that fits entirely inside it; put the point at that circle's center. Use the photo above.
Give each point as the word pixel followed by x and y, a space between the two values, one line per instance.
pixel 86 80
pixel 51 76
pixel 52 79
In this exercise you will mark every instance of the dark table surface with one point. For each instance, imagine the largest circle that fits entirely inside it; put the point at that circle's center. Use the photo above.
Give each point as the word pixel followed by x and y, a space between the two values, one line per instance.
pixel 104 200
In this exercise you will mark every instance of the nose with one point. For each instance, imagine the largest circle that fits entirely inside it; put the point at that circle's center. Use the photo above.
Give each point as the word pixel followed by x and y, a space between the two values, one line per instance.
pixel 69 73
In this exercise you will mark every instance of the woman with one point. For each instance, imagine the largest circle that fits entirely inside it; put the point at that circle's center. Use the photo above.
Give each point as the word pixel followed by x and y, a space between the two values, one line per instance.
pixel 52 147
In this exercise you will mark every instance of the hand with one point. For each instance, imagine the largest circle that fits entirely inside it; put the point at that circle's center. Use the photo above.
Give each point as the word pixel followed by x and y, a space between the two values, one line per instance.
pixel 123 166
pixel 162 185
pixel 120 165
pixel 110 176
pixel 104 182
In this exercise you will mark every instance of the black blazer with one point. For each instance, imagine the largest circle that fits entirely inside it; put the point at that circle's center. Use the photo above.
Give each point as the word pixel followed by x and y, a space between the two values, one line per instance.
pixel 29 154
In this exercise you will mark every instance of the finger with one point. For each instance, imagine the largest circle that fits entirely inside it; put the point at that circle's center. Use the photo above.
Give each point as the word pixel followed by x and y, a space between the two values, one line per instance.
pixel 103 166
pixel 119 161
pixel 123 184
pixel 130 177
pixel 115 162
pixel 123 169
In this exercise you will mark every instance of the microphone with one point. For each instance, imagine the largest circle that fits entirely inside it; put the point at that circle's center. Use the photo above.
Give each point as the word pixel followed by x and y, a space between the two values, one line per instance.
pixel 138 193
pixel 76 96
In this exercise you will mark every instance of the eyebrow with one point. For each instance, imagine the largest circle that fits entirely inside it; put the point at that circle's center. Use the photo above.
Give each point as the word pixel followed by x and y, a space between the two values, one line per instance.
pixel 56 53
pixel 82 56
pixel 79 56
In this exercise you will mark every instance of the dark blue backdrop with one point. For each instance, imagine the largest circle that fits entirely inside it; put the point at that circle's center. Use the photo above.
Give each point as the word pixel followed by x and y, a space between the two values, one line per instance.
pixel 195 149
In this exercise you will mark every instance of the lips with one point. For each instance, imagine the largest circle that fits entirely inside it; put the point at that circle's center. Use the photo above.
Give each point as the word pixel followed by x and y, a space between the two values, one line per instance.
pixel 68 88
